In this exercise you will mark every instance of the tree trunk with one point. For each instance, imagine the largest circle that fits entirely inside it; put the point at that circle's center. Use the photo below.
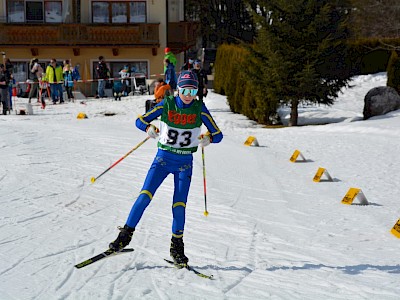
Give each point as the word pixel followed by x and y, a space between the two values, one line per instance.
pixel 294 114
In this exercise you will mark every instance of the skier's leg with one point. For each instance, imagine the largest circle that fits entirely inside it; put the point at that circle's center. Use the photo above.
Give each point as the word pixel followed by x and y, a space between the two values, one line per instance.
pixel 182 181
pixel 182 184
pixel 155 176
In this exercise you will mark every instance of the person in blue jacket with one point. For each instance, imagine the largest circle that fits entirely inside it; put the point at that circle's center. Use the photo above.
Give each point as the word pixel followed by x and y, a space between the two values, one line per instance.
pixel 170 75
pixel 179 136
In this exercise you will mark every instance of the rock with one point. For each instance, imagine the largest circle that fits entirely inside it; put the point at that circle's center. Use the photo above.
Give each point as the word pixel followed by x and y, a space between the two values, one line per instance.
pixel 380 100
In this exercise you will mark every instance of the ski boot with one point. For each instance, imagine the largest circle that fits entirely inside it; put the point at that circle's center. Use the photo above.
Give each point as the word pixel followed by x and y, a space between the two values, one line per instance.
pixel 177 252
pixel 123 239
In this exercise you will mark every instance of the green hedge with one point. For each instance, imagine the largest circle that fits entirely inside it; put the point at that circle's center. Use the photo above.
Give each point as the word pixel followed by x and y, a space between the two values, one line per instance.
pixel 231 79
pixel 393 71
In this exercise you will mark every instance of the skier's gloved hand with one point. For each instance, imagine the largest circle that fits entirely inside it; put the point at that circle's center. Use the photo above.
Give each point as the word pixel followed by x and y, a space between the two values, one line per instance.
pixel 205 139
pixel 152 131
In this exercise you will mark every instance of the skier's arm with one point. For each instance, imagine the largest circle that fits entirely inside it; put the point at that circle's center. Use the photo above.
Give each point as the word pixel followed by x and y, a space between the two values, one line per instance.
pixel 143 121
pixel 208 121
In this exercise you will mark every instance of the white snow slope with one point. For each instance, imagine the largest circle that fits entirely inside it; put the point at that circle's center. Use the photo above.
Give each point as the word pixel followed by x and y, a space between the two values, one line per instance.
pixel 272 232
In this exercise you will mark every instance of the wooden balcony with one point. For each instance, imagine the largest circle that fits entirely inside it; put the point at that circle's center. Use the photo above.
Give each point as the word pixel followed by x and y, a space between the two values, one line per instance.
pixel 35 35
pixel 182 35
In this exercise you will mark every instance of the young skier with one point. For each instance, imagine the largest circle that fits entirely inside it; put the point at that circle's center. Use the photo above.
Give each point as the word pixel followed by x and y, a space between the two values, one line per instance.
pixel 179 136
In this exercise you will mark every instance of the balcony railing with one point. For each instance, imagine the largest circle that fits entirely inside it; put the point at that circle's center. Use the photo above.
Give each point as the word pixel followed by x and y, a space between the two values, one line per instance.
pixel 182 35
pixel 134 35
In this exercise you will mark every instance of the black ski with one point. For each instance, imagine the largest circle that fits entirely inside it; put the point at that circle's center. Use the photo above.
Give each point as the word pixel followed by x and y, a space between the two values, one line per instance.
pixel 102 255
pixel 189 268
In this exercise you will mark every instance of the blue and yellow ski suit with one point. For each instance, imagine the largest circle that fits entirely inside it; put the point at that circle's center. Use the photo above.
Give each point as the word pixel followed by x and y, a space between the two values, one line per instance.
pixel 180 126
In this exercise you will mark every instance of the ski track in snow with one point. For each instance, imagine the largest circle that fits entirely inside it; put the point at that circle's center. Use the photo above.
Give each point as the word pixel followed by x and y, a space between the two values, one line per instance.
pixel 271 233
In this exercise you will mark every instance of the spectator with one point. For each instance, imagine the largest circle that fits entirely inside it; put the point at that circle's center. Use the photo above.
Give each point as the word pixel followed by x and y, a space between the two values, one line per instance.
pixel 66 65
pixel 170 75
pixel 69 80
pixel 161 89
pixel 9 67
pixel 54 76
pixel 34 73
pixel 125 79
pixel 171 56
pixel 202 78
pixel 75 72
pixel 103 73
pixel 43 90
pixel 188 65
pixel 4 82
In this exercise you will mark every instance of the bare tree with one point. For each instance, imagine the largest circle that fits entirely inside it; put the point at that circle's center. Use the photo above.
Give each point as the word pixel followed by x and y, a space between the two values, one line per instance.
pixel 376 18
pixel 221 20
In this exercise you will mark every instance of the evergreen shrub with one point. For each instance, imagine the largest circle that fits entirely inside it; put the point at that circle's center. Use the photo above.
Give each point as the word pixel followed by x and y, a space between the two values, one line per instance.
pixel 245 95
pixel 393 71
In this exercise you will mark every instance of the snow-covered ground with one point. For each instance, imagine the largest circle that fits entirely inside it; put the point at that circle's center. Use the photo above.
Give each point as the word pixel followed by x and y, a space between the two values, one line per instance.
pixel 271 233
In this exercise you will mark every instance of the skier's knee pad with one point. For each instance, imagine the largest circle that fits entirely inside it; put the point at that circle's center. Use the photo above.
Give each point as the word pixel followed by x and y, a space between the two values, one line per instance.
pixel 178 209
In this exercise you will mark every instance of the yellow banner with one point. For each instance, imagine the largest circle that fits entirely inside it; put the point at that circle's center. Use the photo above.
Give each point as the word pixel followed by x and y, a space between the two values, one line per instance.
pixel 295 155
pixel 318 175
pixel 396 229
pixel 350 196
pixel 251 140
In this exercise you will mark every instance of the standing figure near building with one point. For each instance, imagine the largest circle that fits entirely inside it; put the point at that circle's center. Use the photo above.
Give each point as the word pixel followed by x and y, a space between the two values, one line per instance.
pixel 103 73
pixel 44 90
pixel 4 82
pixel 170 74
pixel 75 72
pixel 125 80
pixel 170 56
pixel 69 80
pixel 203 80
pixel 54 76
pixel 34 73
pixel 179 136
pixel 188 65
pixel 9 67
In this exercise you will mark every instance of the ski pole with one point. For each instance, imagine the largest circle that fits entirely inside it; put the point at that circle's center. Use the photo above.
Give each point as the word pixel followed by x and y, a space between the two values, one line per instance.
pixel 93 179
pixel 204 182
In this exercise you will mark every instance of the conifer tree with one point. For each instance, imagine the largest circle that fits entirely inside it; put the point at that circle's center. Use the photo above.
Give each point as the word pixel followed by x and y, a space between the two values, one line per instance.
pixel 300 51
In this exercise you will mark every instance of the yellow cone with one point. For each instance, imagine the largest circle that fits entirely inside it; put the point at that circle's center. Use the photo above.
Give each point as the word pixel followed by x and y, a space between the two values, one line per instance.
pixel 81 115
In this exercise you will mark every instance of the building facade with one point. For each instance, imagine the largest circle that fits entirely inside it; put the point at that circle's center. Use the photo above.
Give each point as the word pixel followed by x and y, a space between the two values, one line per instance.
pixel 125 32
